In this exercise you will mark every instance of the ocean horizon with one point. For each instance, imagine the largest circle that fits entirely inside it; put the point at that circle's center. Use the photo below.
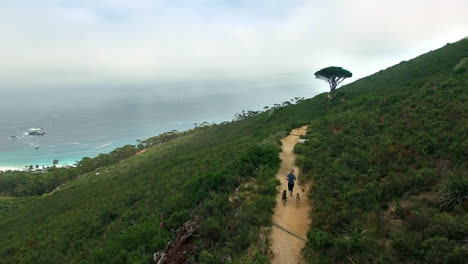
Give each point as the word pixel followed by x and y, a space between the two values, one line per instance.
pixel 84 122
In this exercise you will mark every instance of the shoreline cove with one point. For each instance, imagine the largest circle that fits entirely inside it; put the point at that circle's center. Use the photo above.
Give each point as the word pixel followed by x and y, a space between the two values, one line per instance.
pixel 67 162
pixel 8 168
pixel 24 168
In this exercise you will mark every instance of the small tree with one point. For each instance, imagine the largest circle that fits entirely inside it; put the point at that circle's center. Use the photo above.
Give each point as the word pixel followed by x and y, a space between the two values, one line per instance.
pixel 334 76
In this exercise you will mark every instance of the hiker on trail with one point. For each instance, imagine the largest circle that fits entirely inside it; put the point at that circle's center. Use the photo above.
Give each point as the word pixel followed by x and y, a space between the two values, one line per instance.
pixel 291 178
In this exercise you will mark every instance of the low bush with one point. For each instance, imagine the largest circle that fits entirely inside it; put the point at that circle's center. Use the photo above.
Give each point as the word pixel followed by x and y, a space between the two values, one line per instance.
pixel 390 139
pixel 454 191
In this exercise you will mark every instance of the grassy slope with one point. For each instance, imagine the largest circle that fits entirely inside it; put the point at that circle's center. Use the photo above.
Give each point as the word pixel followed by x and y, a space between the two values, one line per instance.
pixel 114 216
pixel 385 161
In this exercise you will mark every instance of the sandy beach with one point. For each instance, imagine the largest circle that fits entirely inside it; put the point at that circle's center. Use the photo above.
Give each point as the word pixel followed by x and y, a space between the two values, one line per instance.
pixel 4 168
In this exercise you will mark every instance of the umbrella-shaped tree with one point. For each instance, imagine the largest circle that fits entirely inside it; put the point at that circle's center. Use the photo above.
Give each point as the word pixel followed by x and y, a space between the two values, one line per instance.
pixel 334 76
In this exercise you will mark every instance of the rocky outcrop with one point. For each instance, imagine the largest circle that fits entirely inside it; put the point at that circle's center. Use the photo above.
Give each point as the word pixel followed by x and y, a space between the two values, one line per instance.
pixel 181 248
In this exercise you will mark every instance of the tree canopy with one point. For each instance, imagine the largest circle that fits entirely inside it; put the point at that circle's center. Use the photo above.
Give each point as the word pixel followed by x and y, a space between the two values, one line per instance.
pixel 334 76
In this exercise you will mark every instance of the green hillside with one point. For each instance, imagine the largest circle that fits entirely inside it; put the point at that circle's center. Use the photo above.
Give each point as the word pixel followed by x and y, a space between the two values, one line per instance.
pixel 388 166
pixel 386 161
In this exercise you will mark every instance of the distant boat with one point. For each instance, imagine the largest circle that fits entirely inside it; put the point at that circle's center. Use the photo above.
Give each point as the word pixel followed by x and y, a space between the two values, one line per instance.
pixel 36 132
pixel 13 137
pixel 36 147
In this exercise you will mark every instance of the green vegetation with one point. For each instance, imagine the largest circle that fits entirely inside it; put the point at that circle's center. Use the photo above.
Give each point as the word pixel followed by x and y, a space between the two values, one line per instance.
pixel 333 76
pixel 111 210
pixel 387 160
pixel 388 166
pixel 14 183
pixel 454 191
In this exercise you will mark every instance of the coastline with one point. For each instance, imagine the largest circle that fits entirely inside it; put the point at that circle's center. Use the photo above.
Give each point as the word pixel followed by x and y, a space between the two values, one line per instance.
pixel 64 163
pixel 9 168
pixel 70 158
pixel 14 167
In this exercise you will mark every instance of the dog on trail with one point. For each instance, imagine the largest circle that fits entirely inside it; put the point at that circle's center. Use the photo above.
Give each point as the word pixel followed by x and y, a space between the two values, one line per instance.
pixel 285 197
pixel 298 200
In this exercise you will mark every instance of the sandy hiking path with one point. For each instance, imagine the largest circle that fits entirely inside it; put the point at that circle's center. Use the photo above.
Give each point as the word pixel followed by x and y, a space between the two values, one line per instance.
pixel 291 222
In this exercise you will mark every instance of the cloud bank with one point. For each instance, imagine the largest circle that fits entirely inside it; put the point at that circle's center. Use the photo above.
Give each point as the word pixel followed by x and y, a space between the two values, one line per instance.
pixel 93 42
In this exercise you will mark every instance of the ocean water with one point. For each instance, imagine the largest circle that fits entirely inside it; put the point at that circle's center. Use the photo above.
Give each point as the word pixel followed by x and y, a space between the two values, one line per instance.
pixel 86 121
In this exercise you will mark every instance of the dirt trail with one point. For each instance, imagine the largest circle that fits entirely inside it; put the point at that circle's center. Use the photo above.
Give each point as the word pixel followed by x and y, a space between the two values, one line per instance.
pixel 291 223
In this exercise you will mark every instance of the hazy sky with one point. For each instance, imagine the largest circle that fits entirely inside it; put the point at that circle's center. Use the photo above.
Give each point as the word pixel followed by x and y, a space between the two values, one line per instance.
pixel 97 42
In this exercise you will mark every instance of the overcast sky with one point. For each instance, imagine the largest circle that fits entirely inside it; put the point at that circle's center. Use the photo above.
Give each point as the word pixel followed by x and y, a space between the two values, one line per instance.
pixel 104 42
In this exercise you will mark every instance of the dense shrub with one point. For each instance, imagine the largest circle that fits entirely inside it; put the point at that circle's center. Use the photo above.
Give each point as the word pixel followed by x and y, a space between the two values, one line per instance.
pixel 407 246
pixel 454 190
pixel 131 243
pixel 211 228
pixel 377 161
pixel 258 156
pixel 437 249
pixel 320 239
pixel 177 219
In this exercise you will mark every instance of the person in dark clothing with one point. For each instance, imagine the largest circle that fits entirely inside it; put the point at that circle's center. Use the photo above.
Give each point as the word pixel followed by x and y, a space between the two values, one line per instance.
pixel 291 178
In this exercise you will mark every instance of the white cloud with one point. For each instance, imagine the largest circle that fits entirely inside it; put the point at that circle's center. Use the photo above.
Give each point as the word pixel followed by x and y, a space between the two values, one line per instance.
pixel 58 43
